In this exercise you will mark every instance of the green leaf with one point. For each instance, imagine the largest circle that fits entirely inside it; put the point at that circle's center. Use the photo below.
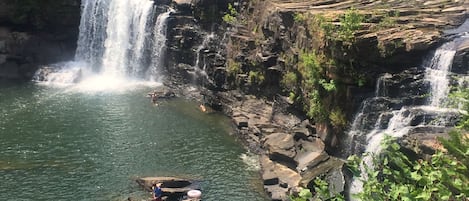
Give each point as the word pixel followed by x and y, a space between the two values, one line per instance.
pixel 425 195
pixel 415 176
pixel 305 193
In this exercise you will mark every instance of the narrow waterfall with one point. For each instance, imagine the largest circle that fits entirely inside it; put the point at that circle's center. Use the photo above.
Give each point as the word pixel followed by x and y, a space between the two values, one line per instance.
pixel 437 73
pixel 119 40
pixel 201 47
pixel 402 105
pixel 159 41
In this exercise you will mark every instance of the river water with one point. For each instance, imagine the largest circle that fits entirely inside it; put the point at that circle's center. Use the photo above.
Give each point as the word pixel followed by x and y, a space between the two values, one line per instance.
pixel 70 144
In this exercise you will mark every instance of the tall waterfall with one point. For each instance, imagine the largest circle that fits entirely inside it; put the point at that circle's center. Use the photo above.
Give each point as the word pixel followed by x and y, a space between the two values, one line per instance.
pixel 398 107
pixel 119 40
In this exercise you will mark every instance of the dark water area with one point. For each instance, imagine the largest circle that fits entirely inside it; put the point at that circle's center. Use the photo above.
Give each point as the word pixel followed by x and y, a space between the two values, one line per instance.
pixel 69 144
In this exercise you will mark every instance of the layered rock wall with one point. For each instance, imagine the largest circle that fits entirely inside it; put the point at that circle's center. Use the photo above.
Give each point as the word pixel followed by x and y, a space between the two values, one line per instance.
pixel 263 46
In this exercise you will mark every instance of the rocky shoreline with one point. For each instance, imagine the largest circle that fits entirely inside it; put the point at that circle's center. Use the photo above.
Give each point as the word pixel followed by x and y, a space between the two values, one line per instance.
pixel 291 152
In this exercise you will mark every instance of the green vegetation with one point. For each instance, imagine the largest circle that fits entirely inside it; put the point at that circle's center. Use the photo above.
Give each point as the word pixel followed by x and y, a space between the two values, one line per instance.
pixel 322 192
pixel 396 177
pixel 304 195
pixel 442 177
pixel 315 109
pixel 338 118
pixel 457 146
pixel 290 80
pixel 230 17
pixel 299 17
pixel 312 69
pixel 292 96
pixel 328 86
pixel 233 67
pixel 361 80
pixel 350 23
pixel 256 77
pixel 389 19
pixel 460 96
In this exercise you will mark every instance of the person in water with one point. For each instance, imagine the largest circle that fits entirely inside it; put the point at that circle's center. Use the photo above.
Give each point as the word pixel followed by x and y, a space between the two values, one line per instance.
pixel 154 97
pixel 157 192
pixel 203 108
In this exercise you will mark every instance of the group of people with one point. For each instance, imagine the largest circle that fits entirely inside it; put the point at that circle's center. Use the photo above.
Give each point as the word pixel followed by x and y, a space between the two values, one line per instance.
pixel 154 97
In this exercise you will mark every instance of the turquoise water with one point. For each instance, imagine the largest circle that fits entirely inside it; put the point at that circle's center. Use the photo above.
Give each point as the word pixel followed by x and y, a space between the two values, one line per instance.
pixel 62 144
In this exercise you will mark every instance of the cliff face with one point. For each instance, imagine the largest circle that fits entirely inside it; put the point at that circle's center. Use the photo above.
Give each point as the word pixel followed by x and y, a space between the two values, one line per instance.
pixel 33 33
pixel 326 55
pixel 316 60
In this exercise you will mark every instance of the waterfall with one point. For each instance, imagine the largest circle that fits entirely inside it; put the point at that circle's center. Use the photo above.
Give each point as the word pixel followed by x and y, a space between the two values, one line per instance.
pixel 126 25
pixel 398 113
pixel 437 73
pixel 92 32
pixel 159 41
pixel 119 41
pixel 201 47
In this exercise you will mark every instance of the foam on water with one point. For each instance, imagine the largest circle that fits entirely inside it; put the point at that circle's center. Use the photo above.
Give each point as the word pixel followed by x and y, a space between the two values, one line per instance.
pixel 251 160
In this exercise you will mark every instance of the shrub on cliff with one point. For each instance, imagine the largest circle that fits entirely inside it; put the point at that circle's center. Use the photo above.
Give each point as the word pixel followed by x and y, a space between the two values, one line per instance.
pixel 396 177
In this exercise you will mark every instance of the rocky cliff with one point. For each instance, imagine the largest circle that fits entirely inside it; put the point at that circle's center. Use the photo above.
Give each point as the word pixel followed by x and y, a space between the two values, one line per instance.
pixel 292 73
pixel 33 33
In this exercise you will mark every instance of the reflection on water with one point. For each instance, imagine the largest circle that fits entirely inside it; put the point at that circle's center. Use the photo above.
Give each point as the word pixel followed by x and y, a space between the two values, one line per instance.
pixel 62 144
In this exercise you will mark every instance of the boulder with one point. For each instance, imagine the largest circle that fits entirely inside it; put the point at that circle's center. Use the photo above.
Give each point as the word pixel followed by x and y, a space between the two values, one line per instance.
pixel 280 143
pixel 274 173
pixel 312 144
pixel 241 121
pixel 320 169
pixel 277 192
pixel 336 180
pixel 310 159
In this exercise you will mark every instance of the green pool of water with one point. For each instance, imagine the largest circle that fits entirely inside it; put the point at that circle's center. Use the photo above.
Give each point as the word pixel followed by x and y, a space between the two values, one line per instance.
pixel 63 144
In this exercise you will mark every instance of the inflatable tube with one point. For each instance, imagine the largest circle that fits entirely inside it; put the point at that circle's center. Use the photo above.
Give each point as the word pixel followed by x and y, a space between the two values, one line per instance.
pixel 194 194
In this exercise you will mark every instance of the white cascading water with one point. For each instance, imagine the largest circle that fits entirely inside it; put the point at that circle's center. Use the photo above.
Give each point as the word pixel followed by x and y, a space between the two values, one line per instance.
pixel 204 44
pixel 126 25
pixel 436 74
pixel 119 43
pixel 159 40
pixel 92 31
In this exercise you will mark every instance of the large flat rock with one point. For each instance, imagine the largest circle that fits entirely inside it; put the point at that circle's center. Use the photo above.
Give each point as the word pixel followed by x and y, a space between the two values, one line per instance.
pixel 276 173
